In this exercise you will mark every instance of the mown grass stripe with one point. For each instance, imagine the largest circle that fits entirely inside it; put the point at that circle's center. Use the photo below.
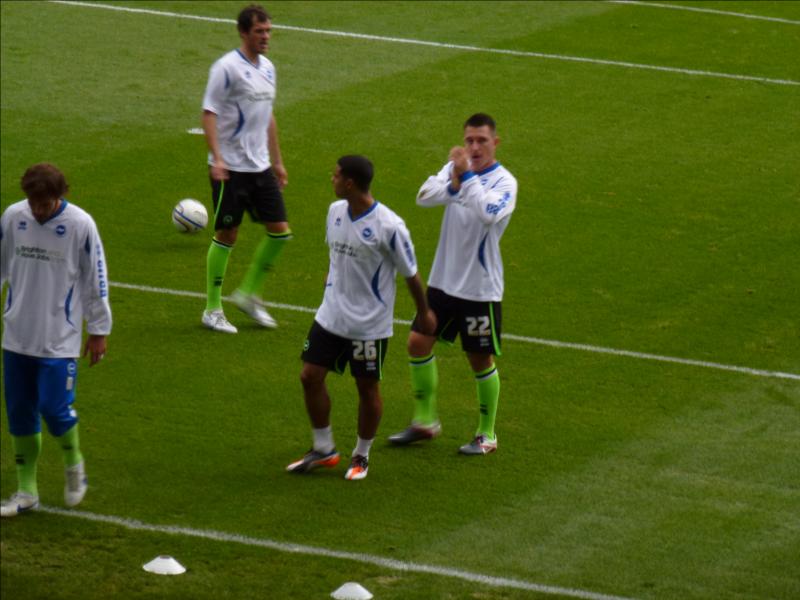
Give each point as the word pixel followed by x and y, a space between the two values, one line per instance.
pixel 397 40
pixel 386 563
pixel 511 336
pixel 725 13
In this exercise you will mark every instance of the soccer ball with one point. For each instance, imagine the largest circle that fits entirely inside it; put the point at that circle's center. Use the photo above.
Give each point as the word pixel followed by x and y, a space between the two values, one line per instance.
pixel 189 216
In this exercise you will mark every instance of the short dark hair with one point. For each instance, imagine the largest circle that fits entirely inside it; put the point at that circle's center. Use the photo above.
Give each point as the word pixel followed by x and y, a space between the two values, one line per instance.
pixel 358 168
pixel 249 14
pixel 44 181
pixel 479 120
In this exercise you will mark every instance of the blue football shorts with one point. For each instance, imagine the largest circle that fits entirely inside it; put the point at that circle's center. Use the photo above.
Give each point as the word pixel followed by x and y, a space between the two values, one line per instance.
pixel 39 387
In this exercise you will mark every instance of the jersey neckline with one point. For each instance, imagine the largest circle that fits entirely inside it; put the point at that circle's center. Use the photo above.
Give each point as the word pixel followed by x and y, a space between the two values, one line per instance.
pixel 488 169
pixel 362 215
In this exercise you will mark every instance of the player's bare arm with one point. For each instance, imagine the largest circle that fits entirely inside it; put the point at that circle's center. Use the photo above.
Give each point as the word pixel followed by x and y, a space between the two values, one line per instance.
pixel 275 153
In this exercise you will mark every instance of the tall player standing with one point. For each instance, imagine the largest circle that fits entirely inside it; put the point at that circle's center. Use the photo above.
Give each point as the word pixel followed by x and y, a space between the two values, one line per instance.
pixel 465 287
pixel 245 167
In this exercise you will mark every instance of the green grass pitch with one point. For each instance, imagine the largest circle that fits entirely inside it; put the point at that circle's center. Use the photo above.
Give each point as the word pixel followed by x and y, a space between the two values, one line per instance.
pixel 658 213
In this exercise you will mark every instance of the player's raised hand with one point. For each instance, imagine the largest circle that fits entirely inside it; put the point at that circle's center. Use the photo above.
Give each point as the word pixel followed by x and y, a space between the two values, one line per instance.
pixel 460 158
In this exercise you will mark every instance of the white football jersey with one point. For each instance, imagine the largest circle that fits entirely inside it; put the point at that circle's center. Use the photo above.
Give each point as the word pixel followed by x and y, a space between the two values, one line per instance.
pixel 468 263
pixel 365 256
pixel 57 278
pixel 241 94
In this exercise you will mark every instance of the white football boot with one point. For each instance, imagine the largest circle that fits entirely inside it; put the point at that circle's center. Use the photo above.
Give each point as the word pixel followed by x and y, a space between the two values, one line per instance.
pixel 75 485
pixel 215 319
pixel 252 306
pixel 480 445
pixel 18 503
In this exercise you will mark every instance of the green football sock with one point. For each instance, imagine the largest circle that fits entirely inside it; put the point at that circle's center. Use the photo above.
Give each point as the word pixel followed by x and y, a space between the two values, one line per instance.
pixel 216 264
pixel 264 257
pixel 26 454
pixel 488 394
pixel 424 383
pixel 70 444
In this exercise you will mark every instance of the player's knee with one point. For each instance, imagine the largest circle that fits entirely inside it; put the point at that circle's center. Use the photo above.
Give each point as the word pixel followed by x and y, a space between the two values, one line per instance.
pixel 227 236
pixel 419 344
pixel 368 391
pixel 279 228
pixel 480 362
pixel 311 378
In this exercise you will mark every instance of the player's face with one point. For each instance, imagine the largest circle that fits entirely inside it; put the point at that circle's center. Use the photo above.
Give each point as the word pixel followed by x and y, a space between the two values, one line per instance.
pixel 256 41
pixel 481 144
pixel 43 208
pixel 338 181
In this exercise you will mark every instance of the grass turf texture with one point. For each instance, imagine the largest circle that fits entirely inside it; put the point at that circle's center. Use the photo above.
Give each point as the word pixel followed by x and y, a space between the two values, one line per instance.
pixel 658 213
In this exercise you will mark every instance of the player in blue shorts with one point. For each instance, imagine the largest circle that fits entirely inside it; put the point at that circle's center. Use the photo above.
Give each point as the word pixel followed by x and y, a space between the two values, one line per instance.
pixel 465 287
pixel 368 245
pixel 52 258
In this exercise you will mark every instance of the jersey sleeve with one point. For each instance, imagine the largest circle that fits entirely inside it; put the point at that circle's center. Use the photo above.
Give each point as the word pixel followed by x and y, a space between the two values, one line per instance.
pixel 217 88
pixel 493 204
pixel 436 189
pixel 401 249
pixel 5 247
pixel 94 275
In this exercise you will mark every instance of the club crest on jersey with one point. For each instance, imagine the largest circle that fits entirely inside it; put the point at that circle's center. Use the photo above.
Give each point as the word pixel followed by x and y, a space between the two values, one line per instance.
pixel 61 230
pixel 247 74
pixel 22 226
pixel 338 221
pixel 367 233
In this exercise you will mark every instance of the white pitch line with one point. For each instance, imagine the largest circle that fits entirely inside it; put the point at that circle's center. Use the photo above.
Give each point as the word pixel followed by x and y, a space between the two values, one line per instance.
pixel 510 336
pixel 705 10
pixel 386 563
pixel 397 40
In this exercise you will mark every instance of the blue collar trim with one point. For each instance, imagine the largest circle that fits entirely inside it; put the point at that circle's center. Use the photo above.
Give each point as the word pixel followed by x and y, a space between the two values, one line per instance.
pixel 496 165
pixel 247 60
pixel 60 210
pixel 362 215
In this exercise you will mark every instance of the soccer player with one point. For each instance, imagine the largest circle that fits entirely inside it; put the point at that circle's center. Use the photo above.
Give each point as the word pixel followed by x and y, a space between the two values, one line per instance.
pixel 368 245
pixel 245 167
pixel 465 287
pixel 53 261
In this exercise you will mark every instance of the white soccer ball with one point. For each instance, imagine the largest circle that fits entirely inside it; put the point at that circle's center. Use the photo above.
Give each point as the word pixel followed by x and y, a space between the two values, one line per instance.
pixel 189 216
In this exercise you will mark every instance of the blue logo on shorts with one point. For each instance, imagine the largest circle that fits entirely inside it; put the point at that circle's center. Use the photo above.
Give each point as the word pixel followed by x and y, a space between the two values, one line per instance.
pixel 71 368
pixel 61 230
